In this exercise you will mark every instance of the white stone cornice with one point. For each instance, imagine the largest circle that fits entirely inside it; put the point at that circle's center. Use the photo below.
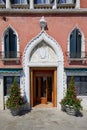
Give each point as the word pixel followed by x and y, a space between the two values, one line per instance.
pixel 44 11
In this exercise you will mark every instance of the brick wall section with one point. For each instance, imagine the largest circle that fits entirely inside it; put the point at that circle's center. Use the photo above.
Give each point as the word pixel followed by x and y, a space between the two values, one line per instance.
pixel 83 3
pixel 59 27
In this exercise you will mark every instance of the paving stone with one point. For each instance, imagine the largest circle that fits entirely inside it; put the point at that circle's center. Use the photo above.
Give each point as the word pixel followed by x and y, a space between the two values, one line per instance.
pixel 48 119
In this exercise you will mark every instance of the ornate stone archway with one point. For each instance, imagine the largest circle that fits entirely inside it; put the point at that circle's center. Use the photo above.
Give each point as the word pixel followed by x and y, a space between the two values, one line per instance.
pixel 43 51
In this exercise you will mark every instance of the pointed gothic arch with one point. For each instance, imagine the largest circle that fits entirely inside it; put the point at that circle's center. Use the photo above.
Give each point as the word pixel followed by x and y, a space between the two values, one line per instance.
pixel 10 43
pixel 42 61
pixel 82 43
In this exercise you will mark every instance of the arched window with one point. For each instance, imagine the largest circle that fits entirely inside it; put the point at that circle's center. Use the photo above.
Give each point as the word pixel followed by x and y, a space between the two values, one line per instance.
pixel 10 44
pixel 42 1
pixel 75 44
pixel 19 1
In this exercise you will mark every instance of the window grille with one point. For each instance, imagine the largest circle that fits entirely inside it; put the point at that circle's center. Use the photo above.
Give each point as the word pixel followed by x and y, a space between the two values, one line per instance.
pixel 80 84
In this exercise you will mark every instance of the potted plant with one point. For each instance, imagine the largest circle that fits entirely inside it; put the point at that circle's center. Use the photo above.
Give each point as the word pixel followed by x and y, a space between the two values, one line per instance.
pixel 15 101
pixel 70 103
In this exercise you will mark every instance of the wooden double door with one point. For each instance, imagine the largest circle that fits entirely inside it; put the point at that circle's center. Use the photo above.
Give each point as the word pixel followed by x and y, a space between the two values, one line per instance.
pixel 43 87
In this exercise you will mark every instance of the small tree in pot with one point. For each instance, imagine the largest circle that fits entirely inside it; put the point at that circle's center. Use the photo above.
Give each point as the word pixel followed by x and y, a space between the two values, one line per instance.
pixel 70 103
pixel 15 101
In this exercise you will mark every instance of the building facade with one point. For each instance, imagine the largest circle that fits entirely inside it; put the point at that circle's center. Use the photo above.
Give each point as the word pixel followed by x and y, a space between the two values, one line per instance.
pixel 43 44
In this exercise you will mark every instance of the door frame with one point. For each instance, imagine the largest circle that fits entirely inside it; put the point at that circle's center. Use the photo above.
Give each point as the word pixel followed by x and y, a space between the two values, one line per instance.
pixel 54 83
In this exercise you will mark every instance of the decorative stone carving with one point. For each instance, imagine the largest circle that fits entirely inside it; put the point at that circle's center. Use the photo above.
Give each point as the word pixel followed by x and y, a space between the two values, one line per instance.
pixel 43 53
pixel 52 56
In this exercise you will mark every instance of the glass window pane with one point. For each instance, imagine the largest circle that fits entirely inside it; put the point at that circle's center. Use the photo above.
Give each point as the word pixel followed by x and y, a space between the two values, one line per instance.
pixel 38 2
pixel 61 1
pixel 1 2
pixel 10 44
pixel 77 79
pixel 80 85
pixel 16 1
pixel 78 44
pixel 75 44
pixel 23 1
pixel 42 2
pixel 83 79
pixel 8 80
pixel 47 1
pixel 6 45
pixel 69 1
pixel 43 87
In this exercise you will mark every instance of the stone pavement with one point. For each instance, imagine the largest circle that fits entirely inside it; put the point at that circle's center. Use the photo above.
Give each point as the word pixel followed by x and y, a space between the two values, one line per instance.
pixel 42 119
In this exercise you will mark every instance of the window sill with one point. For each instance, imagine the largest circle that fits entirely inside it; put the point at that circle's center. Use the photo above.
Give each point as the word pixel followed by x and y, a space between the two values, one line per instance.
pixel 10 58
pixel 17 60
pixel 77 59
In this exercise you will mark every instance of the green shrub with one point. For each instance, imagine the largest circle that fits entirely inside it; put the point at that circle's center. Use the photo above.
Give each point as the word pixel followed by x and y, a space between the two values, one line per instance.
pixel 71 96
pixel 15 99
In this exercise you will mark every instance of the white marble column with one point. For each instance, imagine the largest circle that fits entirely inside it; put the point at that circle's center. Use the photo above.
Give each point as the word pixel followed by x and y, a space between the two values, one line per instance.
pixel 77 4
pixel 8 4
pixel 55 4
pixel 31 4
pixel 1 93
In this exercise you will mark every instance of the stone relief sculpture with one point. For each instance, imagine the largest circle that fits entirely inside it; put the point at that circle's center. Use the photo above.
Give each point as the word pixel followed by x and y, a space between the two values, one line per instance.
pixel 43 51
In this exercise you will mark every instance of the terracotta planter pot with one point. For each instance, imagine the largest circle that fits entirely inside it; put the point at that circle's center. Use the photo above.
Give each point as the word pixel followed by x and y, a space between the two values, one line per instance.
pixel 43 100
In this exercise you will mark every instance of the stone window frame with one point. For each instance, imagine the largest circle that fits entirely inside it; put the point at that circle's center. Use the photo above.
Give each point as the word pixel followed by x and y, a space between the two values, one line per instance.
pixel 3 35
pixel 83 54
